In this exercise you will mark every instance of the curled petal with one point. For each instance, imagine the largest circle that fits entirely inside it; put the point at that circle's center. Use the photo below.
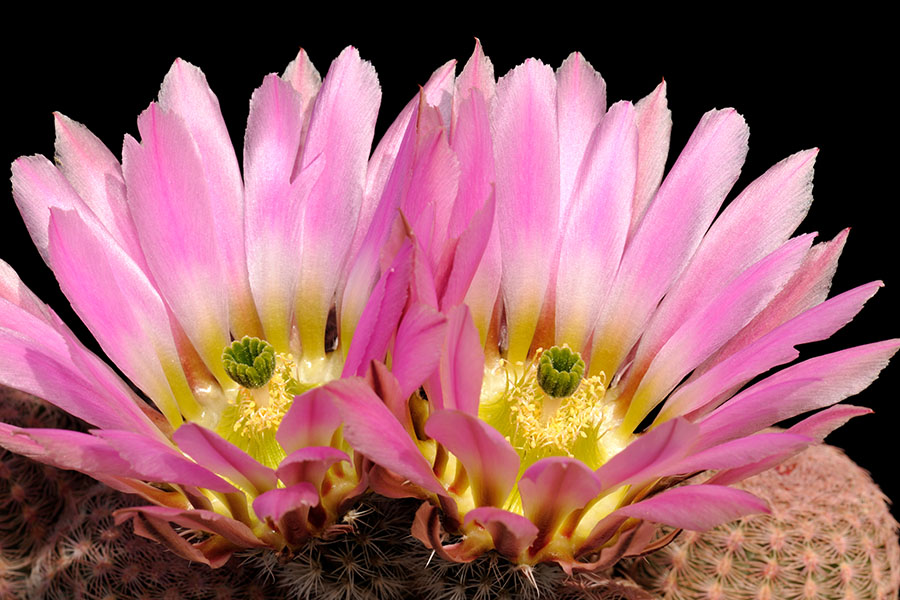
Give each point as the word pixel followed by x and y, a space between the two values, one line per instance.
pixel 490 462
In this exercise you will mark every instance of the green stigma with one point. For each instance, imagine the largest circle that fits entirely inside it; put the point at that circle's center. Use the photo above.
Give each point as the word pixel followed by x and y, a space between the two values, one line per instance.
pixel 560 371
pixel 250 362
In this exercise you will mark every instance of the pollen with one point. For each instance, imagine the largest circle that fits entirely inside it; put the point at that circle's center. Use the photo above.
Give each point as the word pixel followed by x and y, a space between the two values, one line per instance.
pixel 545 423
pixel 261 409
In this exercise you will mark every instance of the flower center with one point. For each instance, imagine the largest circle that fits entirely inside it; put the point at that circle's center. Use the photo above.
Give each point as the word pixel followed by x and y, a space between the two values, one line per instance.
pixel 547 408
pixel 268 382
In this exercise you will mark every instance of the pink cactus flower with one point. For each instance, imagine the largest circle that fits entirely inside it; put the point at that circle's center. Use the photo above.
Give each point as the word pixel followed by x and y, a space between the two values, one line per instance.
pixel 602 322
pixel 215 295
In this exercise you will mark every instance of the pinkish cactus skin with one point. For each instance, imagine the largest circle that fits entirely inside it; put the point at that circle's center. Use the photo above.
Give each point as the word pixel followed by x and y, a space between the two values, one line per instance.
pixel 830 535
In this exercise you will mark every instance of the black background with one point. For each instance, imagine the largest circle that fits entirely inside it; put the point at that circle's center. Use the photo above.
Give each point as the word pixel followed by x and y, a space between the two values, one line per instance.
pixel 810 83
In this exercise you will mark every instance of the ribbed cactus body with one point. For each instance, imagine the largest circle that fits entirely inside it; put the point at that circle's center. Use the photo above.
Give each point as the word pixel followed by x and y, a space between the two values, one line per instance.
pixel 830 536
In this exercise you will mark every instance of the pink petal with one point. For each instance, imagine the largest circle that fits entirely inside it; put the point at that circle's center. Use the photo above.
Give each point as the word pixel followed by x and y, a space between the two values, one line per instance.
pixel 382 164
pixel 309 464
pixel 553 488
pixel 601 198
pixel 526 155
pixel 696 507
pixel 173 214
pixel 650 456
pixel 461 364
pixel 341 128
pixel 216 453
pixel 364 270
pixel 371 429
pixel 511 533
pixel 156 461
pixel 40 356
pixel 186 93
pixel 808 287
pixel 580 105
pixel 822 423
pixel 380 317
pixel 773 349
pixel 681 213
pixel 311 420
pixel 754 225
pixel 477 74
pixel 822 381
pixel 39 186
pixel 122 309
pixel 274 204
pixel 417 348
pixel 305 79
pixel 66 450
pixel 751 412
pixel 96 176
pixel 742 451
pixel 654 122
pixel 491 464
pixel 702 332
pixel 817 426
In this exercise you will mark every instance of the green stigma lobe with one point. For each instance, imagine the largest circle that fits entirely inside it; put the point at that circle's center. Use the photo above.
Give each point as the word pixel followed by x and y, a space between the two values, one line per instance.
pixel 249 361
pixel 560 371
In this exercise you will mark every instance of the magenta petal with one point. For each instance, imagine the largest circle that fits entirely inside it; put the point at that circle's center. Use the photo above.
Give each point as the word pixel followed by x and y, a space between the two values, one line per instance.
pixel 381 314
pixel 650 455
pixel 203 520
pixel 742 451
pixel 822 381
pixel 417 347
pixel 274 504
pixel 554 487
pixel 371 429
pixel 490 462
pixel 309 464
pixel 468 256
pixel 477 74
pixel 817 427
pixel 696 507
pixel 512 533
pixel 311 420
pixel 155 461
pixel 220 455
pixel 462 364
pixel 304 78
